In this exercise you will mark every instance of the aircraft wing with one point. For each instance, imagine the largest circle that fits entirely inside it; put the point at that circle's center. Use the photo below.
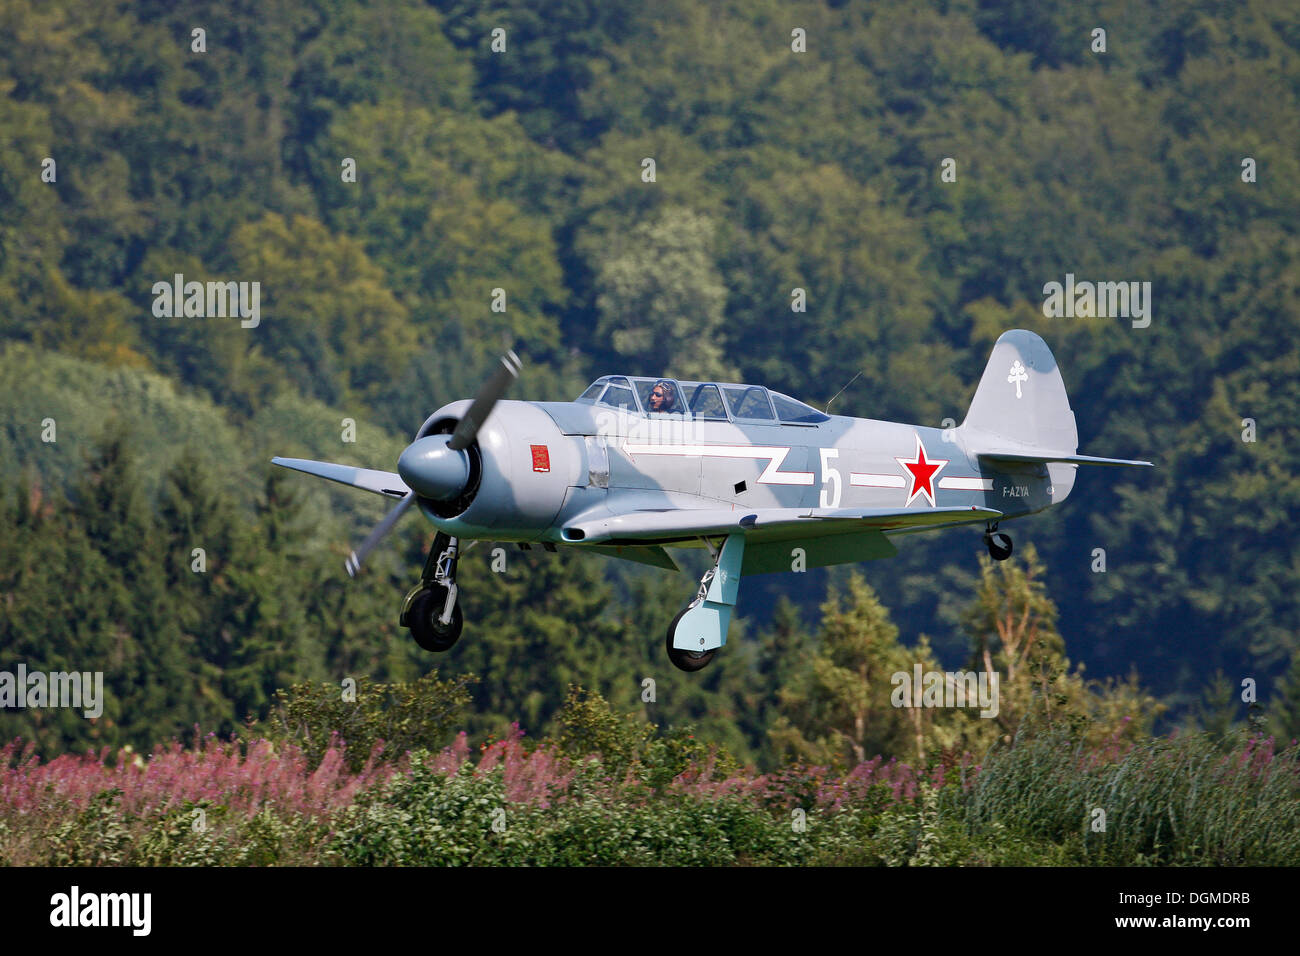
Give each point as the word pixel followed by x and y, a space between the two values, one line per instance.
pixel 661 527
pixel 1065 457
pixel 895 519
pixel 380 482
pixel 647 554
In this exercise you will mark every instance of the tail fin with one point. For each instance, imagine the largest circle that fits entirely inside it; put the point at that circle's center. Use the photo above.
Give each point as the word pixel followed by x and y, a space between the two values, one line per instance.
pixel 1020 404
pixel 1020 412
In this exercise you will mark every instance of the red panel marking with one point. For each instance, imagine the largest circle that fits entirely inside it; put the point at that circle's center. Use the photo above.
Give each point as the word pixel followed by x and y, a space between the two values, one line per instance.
pixel 541 457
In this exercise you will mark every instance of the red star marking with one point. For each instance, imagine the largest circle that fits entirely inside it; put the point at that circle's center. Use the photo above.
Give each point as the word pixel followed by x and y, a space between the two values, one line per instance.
pixel 923 471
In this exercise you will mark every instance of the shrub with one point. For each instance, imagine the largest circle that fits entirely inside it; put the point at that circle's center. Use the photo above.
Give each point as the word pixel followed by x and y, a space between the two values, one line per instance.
pixel 394 717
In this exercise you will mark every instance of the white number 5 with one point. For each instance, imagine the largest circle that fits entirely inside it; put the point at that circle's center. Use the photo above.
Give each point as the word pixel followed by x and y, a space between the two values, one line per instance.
pixel 830 497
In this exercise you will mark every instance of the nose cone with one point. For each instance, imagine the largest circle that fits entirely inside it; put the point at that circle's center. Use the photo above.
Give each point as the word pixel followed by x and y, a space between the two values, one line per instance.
pixel 432 470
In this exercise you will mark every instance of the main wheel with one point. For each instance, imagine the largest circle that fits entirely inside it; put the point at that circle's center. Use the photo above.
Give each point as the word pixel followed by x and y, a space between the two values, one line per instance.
pixel 689 661
pixel 999 545
pixel 429 632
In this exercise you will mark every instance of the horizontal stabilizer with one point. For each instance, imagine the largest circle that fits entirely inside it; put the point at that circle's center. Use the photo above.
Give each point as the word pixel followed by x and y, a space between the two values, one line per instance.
pixel 1071 459
pixel 379 482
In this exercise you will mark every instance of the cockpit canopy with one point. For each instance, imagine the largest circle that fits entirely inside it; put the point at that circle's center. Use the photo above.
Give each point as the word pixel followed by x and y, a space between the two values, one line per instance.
pixel 703 401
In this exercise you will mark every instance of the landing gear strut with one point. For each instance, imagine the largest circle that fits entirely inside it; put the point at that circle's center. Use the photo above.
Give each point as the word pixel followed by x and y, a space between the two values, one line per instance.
pixel 696 633
pixel 431 610
pixel 998 542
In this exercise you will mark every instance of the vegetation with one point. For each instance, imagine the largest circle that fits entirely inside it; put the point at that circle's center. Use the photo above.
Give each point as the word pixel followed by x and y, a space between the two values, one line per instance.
pixel 612 792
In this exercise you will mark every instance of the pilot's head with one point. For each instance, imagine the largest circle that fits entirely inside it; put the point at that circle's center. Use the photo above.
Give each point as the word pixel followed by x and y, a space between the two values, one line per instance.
pixel 663 397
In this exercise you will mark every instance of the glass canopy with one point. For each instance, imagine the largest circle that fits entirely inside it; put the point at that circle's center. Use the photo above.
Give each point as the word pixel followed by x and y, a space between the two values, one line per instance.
pixel 706 401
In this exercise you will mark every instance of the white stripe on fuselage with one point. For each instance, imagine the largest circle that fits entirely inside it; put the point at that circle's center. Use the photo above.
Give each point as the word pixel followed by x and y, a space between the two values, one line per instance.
pixel 877 481
pixel 967 484
pixel 771 474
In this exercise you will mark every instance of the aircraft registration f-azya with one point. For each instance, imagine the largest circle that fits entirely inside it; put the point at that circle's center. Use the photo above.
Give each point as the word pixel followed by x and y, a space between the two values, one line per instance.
pixel 764 482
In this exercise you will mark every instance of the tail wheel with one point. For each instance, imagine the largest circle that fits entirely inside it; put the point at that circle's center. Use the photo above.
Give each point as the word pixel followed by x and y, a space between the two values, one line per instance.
pixel 999 544
pixel 689 661
pixel 429 632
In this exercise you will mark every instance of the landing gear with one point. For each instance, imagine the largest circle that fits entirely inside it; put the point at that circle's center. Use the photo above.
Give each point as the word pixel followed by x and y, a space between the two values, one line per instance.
pixel 431 610
pixel 689 661
pixel 425 620
pixel 696 633
pixel 998 543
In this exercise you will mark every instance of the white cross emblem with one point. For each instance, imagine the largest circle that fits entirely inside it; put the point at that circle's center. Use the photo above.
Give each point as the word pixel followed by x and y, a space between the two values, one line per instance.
pixel 1018 375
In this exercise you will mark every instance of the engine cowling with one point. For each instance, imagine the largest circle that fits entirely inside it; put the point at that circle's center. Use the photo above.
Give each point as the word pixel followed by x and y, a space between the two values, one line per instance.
pixel 516 473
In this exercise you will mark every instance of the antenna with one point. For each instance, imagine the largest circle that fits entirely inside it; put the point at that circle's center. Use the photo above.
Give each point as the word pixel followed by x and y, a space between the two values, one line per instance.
pixel 841 391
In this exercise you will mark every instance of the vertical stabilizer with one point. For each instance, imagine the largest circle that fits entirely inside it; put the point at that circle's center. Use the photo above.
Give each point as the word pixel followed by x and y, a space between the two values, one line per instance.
pixel 1021 402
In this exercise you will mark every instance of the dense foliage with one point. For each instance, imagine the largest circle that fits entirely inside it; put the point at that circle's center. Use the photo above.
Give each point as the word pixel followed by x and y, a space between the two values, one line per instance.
pixel 613 791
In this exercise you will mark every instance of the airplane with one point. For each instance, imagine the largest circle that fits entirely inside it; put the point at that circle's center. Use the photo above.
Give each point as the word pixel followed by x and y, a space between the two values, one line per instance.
pixel 766 483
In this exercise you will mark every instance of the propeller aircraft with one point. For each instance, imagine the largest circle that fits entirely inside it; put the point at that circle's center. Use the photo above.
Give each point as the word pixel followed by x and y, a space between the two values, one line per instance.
pixel 635 466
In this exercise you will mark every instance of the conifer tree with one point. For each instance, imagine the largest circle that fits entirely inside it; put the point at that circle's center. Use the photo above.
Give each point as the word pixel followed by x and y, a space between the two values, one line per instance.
pixel 839 711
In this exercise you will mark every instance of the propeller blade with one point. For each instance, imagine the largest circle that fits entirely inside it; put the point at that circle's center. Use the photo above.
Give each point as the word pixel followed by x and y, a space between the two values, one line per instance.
pixel 353 563
pixel 487 397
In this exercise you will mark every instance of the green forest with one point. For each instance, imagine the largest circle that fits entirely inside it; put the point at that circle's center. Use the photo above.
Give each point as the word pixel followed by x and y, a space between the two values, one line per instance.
pixel 649 184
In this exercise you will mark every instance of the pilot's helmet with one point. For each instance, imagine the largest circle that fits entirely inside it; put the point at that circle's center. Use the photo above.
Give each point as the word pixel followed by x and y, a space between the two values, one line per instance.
pixel 669 391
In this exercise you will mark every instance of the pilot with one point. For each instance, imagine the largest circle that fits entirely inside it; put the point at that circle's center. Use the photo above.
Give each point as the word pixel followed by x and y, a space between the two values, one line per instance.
pixel 663 397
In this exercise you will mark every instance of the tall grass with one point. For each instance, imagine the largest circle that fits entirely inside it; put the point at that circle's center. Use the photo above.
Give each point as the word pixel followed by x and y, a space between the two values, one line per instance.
pixel 1166 800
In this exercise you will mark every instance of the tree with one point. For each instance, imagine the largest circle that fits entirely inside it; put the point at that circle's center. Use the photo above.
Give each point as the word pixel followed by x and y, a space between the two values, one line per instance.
pixel 273 640
pixel 839 710
pixel 1012 626
pixel 329 322
pixel 550 58
pixel 448 205
pixel 147 668
pixel 1285 713
pixel 661 299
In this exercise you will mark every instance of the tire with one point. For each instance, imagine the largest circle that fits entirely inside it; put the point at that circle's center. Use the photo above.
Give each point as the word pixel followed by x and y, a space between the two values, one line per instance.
pixel 689 661
pixel 999 545
pixel 428 631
